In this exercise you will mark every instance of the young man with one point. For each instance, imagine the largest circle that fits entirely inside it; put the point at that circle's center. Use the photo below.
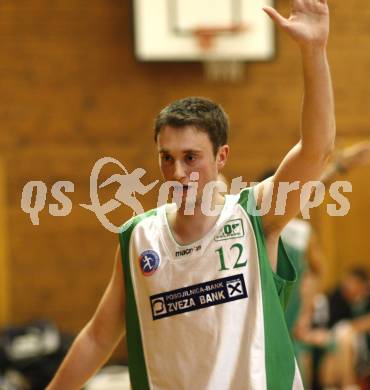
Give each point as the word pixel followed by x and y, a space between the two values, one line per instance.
pixel 202 291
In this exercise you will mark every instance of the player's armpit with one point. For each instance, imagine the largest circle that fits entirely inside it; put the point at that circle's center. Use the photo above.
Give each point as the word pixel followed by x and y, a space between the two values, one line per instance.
pixel 290 188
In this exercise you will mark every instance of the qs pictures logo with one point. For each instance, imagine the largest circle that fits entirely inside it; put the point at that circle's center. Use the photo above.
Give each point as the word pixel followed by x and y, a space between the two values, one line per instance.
pixel 34 193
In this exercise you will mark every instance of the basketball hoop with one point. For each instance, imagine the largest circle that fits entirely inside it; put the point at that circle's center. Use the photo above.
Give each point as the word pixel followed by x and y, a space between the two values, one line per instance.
pixel 216 69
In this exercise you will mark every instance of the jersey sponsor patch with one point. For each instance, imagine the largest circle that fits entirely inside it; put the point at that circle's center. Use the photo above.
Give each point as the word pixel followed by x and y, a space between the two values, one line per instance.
pixel 231 229
pixel 149 262
pixel 198 296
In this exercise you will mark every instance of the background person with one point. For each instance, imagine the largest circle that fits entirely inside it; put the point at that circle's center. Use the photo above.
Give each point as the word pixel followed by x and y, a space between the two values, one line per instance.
pixel 340 332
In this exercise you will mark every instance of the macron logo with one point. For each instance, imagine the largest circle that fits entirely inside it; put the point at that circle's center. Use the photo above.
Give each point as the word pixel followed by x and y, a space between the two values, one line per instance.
pixel 188 251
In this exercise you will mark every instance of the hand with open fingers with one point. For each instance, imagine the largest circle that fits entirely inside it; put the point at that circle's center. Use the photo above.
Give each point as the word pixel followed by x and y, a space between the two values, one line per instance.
pixel 308 23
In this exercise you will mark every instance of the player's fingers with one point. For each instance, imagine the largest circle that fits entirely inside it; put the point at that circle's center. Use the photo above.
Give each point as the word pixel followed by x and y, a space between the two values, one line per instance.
pixel 275 16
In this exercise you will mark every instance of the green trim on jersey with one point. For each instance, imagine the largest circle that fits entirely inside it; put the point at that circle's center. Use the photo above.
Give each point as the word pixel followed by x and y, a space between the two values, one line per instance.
pixel 285 277
pixel 136 360
pixel 279 355
pixel 294 305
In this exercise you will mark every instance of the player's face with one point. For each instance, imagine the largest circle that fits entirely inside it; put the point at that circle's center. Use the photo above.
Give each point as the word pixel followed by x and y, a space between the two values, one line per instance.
pixel 354 289
pixel 187 150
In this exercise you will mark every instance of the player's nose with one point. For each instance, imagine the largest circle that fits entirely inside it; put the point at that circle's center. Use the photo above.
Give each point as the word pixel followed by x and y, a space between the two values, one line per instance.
pixel 179 172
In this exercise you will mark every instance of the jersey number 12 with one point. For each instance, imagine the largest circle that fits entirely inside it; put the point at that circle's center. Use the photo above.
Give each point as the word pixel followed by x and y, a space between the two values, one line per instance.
pixel 238 250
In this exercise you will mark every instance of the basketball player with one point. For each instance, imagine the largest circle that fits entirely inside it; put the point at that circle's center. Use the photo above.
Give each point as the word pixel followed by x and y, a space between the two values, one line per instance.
pixel 201 284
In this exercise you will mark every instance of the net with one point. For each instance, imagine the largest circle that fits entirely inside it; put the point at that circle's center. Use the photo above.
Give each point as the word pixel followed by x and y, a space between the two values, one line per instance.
pixel 216 69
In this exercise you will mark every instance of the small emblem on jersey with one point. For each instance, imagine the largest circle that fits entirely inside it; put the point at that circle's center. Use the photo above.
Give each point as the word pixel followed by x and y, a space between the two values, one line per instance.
pixel 159 307
pixel 198 296
pixel 234 288
pixel 231 229
pixel 149 262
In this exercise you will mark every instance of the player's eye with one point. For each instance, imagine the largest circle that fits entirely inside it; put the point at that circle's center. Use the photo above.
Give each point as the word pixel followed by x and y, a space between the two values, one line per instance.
pixel 166 158
pixel 190 157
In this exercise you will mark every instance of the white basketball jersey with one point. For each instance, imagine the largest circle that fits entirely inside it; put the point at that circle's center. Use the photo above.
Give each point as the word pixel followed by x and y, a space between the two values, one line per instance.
pixel 206 316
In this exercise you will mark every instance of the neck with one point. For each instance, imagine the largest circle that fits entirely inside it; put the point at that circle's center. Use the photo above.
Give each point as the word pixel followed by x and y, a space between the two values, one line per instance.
pixel 189 228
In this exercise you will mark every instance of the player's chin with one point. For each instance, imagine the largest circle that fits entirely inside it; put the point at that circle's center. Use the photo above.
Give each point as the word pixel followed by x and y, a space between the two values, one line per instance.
pixel 181 191
pixel 187 195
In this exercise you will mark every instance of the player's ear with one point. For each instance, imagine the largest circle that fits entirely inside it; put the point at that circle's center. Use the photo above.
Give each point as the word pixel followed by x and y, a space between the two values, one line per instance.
pixel 222 155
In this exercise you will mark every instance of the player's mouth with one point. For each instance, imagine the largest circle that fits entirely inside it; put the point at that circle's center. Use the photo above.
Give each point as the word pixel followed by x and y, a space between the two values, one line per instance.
pixel 182 189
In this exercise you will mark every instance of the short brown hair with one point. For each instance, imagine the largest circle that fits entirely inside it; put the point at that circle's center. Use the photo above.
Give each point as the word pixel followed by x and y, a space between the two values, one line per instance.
pixel 204 114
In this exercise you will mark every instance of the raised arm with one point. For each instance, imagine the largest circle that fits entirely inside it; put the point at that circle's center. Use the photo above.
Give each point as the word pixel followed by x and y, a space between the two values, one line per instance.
pixel 98 338
pixel 308 25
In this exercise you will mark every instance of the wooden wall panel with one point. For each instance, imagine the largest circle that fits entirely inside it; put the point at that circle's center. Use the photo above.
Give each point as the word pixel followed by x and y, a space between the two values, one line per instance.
pixel 5 276
pixel 72 92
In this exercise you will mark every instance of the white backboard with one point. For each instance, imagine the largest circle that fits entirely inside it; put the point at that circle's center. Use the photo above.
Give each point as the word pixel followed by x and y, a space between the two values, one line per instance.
pixel 164 30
